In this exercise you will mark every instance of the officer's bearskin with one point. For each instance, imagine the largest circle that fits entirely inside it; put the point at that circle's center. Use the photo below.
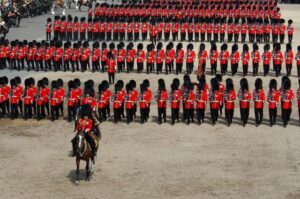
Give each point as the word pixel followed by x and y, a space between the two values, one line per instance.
pixel 86 111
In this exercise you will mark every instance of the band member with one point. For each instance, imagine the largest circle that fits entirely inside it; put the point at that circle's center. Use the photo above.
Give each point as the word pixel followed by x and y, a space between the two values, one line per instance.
pixel 290 31
pixel 277 59
pixel 41 100
pixel 111 68
pixel 266 58
pixel 28 99
pixel 223 57
pixel 289 57
pixel 234 59
pixel 141 55
pixel 215 99
pixel 14 98
pixel 160 55
pixel 161 98
pixel 259 100
pixel 48 29
pixel 287 97
pixel 213 56
pixel 273 100
pixel 201 99
pixel 244 97
pixel 179 56
pixel 255 55
pixel 190 57
pixel 202 56
pixel 228 99
pixel 118 99
pixel 297 58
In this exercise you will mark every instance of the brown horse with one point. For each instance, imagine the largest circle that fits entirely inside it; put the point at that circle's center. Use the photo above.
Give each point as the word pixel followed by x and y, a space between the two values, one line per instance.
pixel 83 152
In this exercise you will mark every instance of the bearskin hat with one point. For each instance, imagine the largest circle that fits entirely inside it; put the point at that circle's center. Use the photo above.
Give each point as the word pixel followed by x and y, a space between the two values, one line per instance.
pixel 288 47
pixel 277 47
pixel 290 21
pixel 266 47
pixel 46 81
pixel 75 19
pixel 219 77
pixel 255 46
pixel 140 46
pixel 258 84
pixel 190 46
pixel 32 81
pixel 105 84
pixel 186 79
pixel 213 47
pixel 162 86
pixel 273 84
pixel 71 84
pixel 54 84
pixel 41 84
pixel 13 82
pixel 214 84
pixel 60 82
pixel 245 47
pixel 159 46
pixel 96 44
pixel 86 111
pixel 287 84
pixel 18 79
pixel 77 82
pixel 128 87
pixel 100 88
pixel 117 87
pixel 121 83
pixel 146 82
pixel 82 19
pixel 104 45
pixel 49 20
pixel 174 87
pixel 202 47
pixel 179 46
pixel 2 81
pixel 133 83
pixel 234 47
pixel 176 81
pixel 298 48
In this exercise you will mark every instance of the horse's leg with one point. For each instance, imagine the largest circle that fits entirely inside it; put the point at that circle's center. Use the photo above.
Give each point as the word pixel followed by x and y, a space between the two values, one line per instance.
pixel 87 170
pixel 77 170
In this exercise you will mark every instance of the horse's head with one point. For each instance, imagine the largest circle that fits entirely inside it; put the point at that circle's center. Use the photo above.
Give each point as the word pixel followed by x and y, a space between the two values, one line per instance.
pixel 79 143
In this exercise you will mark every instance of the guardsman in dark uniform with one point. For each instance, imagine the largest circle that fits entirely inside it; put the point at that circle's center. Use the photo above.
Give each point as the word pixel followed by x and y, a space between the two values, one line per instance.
pixel 290 30
pixel 228 99
pixel 244 98
pixel 289 58
pixel 259 100
pixel 48 29
pixel 287 97
pixel 161 98
pixel 234 59
pixel 273 100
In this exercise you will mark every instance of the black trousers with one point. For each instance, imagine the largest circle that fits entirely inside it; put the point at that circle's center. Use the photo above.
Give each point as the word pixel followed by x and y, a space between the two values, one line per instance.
pixel 243 38
pixel 213 69
pixel 48 36
pixel 245 69
pixel 103 65
pixel 174 36
pixel 75 36
pixel 266 69
pixel 189 68
pixel 197 36
pixel 255 69
pixel 202 37
pixel 130 66
pixel 290 38
pixel 144 36
pixel 236 38
pixel 40 112
pixel 286 113
pixel 182 36
pixel 175 114
pixel 102 114
pixel 54 112
pixel 117 114
pixel 234 68
pixel 229 115
pixel 149 68
pixel 2 109
pixel 288 69
pixel 71 113
pixel 143 112
pixel 162 114
pixel 277 69
pixel 140 67
pixel 230 37
pixel 216 37
pixel 223 69
pixel 121 66
pixel 95 66
pixel 14 111
pixel 258 112
pixel 111 78
pixel 178 68
pixel 281 38
pixel 189 115
pixel 214 113
pixel 168 68
pixel 129 115
pixel 272 115
pixel 200 115
pixel 159 68
pixel 27 111
pixel 222 37
pixel 244 115
pixel 298 70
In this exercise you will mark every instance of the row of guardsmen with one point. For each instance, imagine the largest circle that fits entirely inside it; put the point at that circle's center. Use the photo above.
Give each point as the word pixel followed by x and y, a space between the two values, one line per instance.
pixel 37 100
pixel 94 29
pixel 111 58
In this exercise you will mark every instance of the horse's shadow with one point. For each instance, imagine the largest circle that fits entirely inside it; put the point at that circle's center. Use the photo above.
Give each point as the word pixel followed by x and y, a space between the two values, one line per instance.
pixel 72 175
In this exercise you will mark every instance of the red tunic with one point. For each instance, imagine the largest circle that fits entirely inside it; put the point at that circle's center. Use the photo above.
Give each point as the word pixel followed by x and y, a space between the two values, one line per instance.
pixel 201 99
pixel 162 99
pixel 111 66
pixel 273 98
pixel 259 98
pixel 286 99
pixel 244 97
pixel 85 125
pixel 215 99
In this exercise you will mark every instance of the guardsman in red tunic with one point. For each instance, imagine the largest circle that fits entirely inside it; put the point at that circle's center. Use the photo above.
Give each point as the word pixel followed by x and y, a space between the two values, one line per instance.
pixel 287 97
pixel 297 58
pixel 289 58
pixel 277 59
pixel 259 100
pixel 255 55
pixel 161 98
pixel 75 57
pixel 68 51
pixel 149 58
pixel 215 100
pixel 90 29
pixel 39 56
pixel 245 57
pixel 118 99
pixel 237 30
pixel 167 29
pixel 213 57
pixel 190 57
pixel 175 28
pixel 179 57
pixel 209 30
pixel 191 30
pixel 144 101
pixel 188 103
pixel 175 97
pixel 290 30
pixel 85 57
pixel 111 68
pixel 223 28
pixel 121 54
pixel 140 58
pixel 30 56
pixel 69 28
pixel 103 57
pixel 234 59
pixel 20 92
pixel 267 31
pixel 129 100
pixel 96 28
pixel 216 30
pixel 63 28
pixel 102 102
pixel 275 32
pixel 58 55
pixel 224 57
pixel 203 30
pixel 252 31
pixel 4 95
pixel 76 28
pixel 202 57
pixel 88 97
pixel 266 58
pixel 201 100
pixel 273 100
pixel 48 29
pixel 28 99
pixel 55 100
pixel 230 30
pixel 244 97
pixel 159 58
pixel 41 100
pixel 131 53
pixel 298 99
pixel 282 29
pixel 96 56
pixel 229 98
pixel 12 54
pixel 83 28
pixel 244 30
pixel 183 29
pixel 14 97
pixel 72 100
pixel 56 26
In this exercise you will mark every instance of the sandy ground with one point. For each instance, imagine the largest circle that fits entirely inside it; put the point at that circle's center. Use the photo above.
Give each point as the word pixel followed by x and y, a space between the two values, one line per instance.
pixel 151 160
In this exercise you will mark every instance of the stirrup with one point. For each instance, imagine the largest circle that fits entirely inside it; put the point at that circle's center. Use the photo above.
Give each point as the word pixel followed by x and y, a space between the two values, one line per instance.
pixel 64 12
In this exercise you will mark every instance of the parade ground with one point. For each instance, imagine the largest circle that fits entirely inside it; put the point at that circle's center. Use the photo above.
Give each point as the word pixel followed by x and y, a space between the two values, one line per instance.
pixel 151 160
